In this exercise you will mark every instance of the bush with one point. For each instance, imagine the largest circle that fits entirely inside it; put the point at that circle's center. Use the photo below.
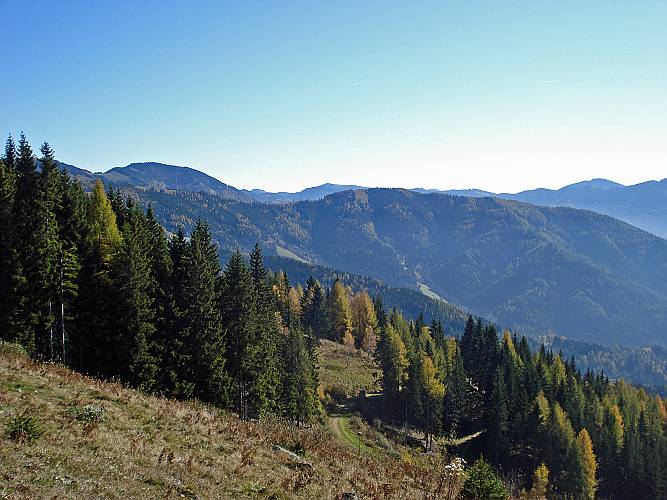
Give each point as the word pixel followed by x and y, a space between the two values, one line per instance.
pixel 483 483
pixel 12 349
pixel 295 446
pixel 23 428
pixel 88 414
pixel 337 392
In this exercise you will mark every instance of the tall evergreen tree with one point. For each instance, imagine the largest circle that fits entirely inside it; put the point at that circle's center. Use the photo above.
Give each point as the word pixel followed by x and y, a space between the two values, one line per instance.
pixel 94 342
pixel 204 332
pixel 300 400
pixel 314 314
pixel 134 284
pixel 177 377
pixel 239 317
pixel 8 257
pixel 264 389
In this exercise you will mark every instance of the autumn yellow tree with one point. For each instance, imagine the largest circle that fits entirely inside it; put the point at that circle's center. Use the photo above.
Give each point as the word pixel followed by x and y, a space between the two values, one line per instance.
pixel 340 313
pixel 364 322
pixel 434 391
pixel 538 490
pixel 104 232
pixel 590 463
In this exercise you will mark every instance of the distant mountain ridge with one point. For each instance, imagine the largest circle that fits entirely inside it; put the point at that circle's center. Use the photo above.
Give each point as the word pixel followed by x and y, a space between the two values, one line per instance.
pixel 308 194
pixel 152 175
pixel 643 205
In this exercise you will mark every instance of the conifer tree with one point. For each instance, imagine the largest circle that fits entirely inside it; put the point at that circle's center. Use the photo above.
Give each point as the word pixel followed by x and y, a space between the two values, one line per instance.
pixel 203 328
pixel 48 251
pixel 264 390
pixel 433 390
pixel 239 318
pixel 94 341
pixel 134 284
pixel 71 218
pixel 300 401
pixel 364 322
pixel 455 396
pixel 540 485
pixel 393 360
pixel 340 313
pixel 177 370
pixel 8 257
pixel 590 463
pixel 27 308
pixel 314 314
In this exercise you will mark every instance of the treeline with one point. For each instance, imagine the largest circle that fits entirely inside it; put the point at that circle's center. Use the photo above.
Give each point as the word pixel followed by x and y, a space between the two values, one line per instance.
pixel 92 281
pixel 529 408
pixel 645 366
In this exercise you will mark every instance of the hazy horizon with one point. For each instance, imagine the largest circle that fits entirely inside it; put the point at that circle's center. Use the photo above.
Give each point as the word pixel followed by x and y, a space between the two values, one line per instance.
pixel 352 183
pixel 500 97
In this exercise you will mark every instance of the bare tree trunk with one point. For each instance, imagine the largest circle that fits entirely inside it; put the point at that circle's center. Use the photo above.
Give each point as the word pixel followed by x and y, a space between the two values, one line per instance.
pixel 62 311
pixel 50 332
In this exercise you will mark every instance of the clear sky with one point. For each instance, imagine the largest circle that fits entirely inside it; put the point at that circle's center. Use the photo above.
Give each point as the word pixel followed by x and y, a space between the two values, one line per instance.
pixel 280 95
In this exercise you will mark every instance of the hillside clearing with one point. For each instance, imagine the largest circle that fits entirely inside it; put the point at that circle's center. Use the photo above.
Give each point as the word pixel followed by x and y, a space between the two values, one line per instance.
pixel 104 440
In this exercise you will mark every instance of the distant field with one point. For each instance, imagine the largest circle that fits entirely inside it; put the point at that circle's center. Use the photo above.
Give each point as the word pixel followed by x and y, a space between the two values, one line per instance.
pixel 342 370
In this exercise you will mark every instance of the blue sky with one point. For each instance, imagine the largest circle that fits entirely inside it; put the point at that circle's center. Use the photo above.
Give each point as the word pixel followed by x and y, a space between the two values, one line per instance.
pixel 281 95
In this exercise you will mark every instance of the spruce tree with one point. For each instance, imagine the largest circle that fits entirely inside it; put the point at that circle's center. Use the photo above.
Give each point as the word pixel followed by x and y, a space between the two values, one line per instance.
pixel 136 357
pixel 314 314
pixel 455 397
pixel 8 257
pixel 94 343
pixel 264 390
pixel 49 252
pixel 177 370
pixel 203 328
pixel 27 307
pixel 239 318
pixel 300 401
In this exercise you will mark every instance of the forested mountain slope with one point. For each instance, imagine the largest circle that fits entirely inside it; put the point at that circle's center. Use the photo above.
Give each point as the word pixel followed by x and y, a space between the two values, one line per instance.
pixel 536 269
pixel 643 205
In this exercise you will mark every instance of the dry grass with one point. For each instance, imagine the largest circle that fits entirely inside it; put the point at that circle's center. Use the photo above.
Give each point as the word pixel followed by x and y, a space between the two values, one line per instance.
pixel 150 447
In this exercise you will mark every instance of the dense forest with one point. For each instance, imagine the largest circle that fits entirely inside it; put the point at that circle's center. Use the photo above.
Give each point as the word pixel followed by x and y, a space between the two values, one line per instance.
pixel 91 280
pixel 646 366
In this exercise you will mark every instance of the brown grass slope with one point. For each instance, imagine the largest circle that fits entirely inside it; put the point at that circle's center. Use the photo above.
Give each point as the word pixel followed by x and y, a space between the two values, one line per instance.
pixel 151 447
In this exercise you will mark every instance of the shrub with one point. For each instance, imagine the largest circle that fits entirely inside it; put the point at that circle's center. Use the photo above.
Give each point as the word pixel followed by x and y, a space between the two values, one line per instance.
pixel 23 428
pixel 12 349
pixel 483 483
pixel 295 446
pixel 337 392
pixel 88 414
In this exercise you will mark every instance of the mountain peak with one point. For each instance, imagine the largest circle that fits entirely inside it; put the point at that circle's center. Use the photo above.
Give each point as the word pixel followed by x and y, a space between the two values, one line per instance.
pixel 598 184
